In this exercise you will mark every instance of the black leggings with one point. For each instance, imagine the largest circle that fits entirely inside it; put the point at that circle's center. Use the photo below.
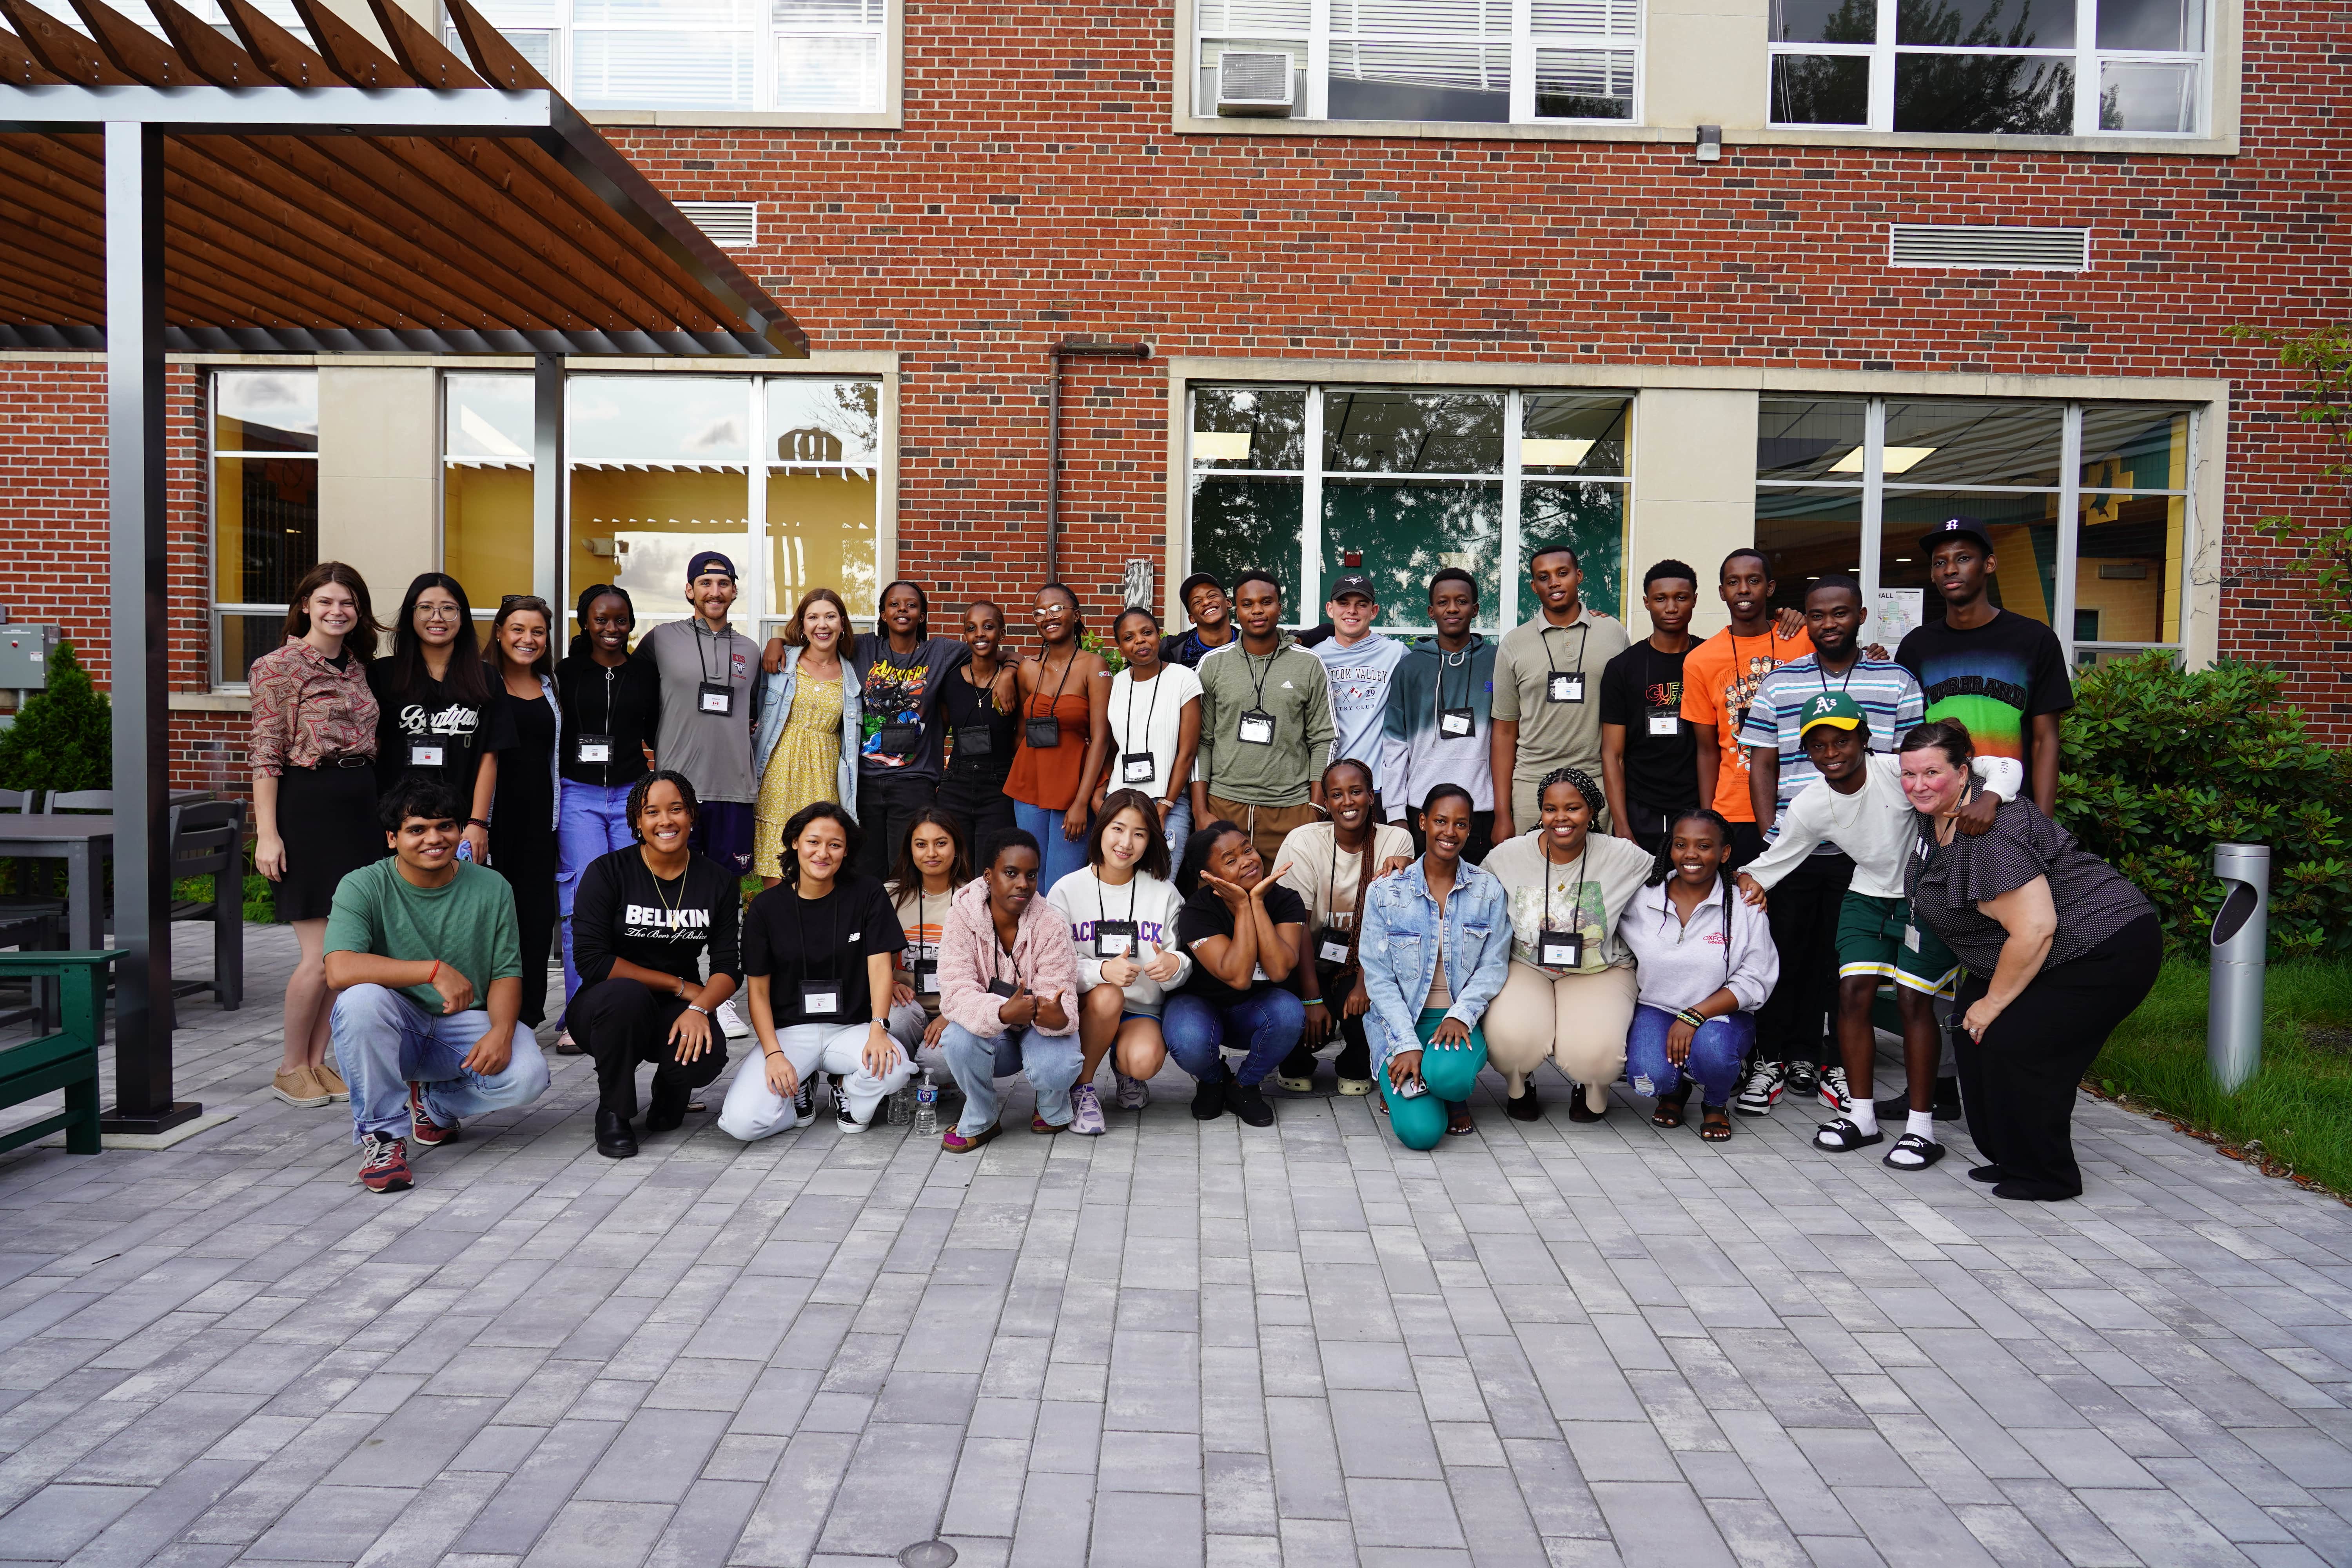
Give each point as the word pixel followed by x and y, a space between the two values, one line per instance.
pixel 1793 1023
pixel 886 804
pixel 2018 1083
pixel 620 1023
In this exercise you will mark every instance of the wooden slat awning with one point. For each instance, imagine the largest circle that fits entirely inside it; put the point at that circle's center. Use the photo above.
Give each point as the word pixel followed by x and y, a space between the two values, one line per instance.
pixel 330 197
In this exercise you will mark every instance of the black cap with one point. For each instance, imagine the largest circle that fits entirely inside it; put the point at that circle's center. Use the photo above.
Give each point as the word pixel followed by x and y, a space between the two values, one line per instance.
pixel 1185 589
pixel 706 560
pixel 1955 528
pixel 1353 583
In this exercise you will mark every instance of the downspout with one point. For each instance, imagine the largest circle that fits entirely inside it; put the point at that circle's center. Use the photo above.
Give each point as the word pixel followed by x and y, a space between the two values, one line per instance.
pixel 1068 346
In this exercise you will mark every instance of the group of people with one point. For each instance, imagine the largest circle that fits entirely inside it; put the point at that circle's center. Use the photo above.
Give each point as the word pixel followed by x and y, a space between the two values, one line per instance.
pixel 1687 866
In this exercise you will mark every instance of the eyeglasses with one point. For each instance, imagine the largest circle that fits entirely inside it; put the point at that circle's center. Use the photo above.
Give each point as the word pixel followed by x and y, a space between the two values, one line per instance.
pixel 440 612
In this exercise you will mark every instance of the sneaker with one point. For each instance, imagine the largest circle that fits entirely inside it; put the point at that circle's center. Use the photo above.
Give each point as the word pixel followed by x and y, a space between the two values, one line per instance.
pixel 1524 1105
pixel 384 1164
pixel 1086 1112
pixel 1802 1078
pixel 803 1105
pixel 1897 1106
pixel 955 1143
pixel 1134 1094
pixel 301 1087
pixel 332 1081
pixel 1353 1068
pixel 1833 1091
pixel 1209 1099
pixel 1297 1073
pixel 841 1116
pixel 425 1132
pixel 1248 1102
pixel 731 1021
pixel 1763 1089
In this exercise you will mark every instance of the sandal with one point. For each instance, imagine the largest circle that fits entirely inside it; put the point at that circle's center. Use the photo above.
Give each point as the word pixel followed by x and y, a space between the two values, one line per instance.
pixel 1715 1123
pixel 1913 1152
pixel 1457 1122
pixel 1844 1137
pixel 1669 1107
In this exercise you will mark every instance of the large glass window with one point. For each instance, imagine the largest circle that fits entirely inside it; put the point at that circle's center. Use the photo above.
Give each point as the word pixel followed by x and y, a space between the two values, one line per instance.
pixel 1401 483
pixel 486 485
pixel 2049 68
pixel 811 56
pixel 2090 546
pixel 264 482
pixel 1454 61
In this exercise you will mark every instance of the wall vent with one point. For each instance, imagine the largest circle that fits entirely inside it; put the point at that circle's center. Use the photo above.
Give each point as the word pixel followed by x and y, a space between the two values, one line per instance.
pixel 731 225
pixel 1987 246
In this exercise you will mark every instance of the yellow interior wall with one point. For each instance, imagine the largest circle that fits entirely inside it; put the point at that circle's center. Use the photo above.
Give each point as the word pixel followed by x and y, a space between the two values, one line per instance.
pixel 821 533
pixel 228 529
pixel 664 517
pixel 2128 610
pixel 2020 591
pixel 485 532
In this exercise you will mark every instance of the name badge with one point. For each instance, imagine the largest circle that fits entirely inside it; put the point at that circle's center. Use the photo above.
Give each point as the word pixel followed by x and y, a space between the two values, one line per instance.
pixel 715 697
pixel 1043 735
pixel 424 755
pixel 591 748
pixel 1000 988
pixel 1137 768
pixel 927 968
pixel 1331 951
pixel 899 737
pixel 1560 948
pixel 1114 939
pixel 1564 686
pixel 1256 728
pixel 1666 725
pixel 1456 722
pixel 974 741
pixel 1911 938
pixel 819 999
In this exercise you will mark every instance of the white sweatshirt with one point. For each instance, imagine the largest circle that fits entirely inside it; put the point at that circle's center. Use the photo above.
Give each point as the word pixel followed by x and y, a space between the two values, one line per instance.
pixel 1874 825
pixel 1151 904
pixel 1681 965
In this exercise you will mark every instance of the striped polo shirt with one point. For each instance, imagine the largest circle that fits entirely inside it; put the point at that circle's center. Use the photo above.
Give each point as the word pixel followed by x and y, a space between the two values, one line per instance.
pixel 1887 694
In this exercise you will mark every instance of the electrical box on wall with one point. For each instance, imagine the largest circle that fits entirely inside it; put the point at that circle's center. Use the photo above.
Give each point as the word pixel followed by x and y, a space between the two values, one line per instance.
pixel 25 656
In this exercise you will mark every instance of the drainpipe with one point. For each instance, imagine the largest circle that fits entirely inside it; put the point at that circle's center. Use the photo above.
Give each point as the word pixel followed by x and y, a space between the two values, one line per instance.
pixel 1061 350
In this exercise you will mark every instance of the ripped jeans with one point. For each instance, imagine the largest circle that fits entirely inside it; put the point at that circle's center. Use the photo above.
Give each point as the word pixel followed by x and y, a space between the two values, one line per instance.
pixel 1714 1054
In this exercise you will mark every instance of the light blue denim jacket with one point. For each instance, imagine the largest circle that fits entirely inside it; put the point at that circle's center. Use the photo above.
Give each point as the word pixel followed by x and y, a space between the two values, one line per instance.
pixel 775 705
pixel 1398 951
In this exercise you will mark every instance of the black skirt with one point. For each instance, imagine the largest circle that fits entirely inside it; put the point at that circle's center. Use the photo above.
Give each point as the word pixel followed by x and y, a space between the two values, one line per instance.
pixel 326 817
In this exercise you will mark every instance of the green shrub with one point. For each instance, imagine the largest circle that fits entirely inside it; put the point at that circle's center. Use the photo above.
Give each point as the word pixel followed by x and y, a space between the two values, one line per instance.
pixel 64 737
pixel 2161 763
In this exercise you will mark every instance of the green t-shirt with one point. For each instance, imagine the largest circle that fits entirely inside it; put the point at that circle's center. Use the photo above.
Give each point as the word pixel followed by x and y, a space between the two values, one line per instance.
pixel 468 924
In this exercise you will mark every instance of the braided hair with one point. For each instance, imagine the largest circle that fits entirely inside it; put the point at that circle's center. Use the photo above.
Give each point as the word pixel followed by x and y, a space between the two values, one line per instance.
pixel 1595 802
pixel 1663 865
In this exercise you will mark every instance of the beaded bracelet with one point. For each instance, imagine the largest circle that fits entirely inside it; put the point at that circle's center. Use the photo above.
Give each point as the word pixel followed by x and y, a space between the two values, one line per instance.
pixel 1692 1016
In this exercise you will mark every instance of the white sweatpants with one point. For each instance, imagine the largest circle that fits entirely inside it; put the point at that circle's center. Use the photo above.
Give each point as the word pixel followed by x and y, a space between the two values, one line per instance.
pixel 753 1110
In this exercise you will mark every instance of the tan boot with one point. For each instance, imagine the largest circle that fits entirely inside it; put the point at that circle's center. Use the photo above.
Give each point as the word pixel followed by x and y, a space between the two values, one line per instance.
pixel 332 1081
pixel 301 1087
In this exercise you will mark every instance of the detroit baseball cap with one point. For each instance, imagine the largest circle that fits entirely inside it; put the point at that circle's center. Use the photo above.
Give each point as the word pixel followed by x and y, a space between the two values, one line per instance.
pixel 1955 528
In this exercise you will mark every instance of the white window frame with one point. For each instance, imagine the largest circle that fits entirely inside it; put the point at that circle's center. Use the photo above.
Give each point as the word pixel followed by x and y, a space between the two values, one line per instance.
pixel 218 607
pixel 1314 46
pixel 2086 56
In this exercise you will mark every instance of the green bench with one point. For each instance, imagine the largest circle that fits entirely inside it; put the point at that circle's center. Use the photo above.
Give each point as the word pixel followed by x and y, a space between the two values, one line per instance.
pixel 67 1060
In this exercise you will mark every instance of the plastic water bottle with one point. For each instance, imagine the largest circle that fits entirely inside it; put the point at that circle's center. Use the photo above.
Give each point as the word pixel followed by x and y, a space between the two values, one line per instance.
pixel 899 1109
pixel 927 1108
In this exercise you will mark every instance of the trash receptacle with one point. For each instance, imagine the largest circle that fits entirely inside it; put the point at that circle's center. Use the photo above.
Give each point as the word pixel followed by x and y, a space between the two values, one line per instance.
pixel 2234 1013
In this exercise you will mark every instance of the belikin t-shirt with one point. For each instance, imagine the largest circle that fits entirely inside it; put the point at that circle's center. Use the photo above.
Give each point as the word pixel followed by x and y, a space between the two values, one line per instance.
pixel 1639 685
pixel 794 940
pixel 1995 679
pixel 623 911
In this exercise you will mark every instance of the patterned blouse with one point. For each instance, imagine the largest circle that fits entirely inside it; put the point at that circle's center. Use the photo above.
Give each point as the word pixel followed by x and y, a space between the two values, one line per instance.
pixel 306 710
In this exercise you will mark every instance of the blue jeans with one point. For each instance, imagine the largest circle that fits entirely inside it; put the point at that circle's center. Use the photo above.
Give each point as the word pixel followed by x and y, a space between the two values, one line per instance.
pixel 1058 856
pixel 1178 827
pixel 384 1041
pixel 1714 1054
pixel 1450 1072
pixel 591 820
pixel 1050 1063
pixel 1267 1024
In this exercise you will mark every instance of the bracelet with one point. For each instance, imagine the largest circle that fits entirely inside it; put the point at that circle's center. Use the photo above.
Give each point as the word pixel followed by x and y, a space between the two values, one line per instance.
pixel 436 975
pixel 477 822
pixel 772 1054
pixel 1692 1016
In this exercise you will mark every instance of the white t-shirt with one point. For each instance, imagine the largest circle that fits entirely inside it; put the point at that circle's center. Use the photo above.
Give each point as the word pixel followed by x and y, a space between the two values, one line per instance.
pixel 1874 825
pixel 1147 717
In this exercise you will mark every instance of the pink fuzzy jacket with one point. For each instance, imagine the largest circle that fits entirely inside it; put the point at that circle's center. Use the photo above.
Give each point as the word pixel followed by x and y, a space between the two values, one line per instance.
pixel 1042 956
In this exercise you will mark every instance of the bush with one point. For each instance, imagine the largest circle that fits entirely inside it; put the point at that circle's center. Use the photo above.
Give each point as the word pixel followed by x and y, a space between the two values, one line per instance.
pixel 2161 763
pixel 64 737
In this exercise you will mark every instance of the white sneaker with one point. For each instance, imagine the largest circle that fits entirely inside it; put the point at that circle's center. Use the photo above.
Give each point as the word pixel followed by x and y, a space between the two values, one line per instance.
pixel 1086 1112
pixel 731 1021
pixel 1833 1091
pixel 1762 1090
pixel 1134 1094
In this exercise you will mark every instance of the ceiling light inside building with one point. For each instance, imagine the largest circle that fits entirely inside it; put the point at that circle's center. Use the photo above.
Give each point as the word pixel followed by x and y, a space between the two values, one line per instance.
pixel 1221 445
pixel 1546 453
pixel 1892 460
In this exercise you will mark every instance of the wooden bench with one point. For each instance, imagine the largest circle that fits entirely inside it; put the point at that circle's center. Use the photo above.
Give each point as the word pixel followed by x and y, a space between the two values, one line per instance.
pixel 67 1060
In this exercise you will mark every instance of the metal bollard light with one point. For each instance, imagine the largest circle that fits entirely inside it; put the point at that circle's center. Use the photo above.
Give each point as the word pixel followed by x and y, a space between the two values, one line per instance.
pixel 2234 1011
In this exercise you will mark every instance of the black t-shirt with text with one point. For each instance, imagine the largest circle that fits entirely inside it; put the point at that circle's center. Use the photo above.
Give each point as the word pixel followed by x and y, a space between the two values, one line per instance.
pixel 1205 915
pixel 791 940
pixel 623 911
pixel 430 714
pixel 1996 679
pixel 1640 684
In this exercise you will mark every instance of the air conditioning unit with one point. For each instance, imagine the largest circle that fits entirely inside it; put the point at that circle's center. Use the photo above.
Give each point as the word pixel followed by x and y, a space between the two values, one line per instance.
pixel 1254 81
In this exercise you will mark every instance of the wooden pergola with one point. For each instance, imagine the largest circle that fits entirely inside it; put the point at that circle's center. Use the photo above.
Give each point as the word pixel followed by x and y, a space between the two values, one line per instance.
pixel 191 194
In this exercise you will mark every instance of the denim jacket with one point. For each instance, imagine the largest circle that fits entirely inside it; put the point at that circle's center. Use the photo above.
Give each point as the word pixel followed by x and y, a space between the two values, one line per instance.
pixel 774 705
pixel 1398 949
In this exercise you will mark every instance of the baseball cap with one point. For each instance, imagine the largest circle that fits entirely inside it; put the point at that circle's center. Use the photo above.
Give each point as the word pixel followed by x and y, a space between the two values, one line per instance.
pixel 708 561
pixel 1185 589
pixel 1955 528
pixel 1353 583
pixel 1832 707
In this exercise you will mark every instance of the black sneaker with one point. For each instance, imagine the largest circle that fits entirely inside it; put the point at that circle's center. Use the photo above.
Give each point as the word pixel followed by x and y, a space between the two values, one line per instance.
pixel 841 1116
pixel 1897 1107
pixel 1802 1078
pixel 667 1112
pixel 1523 1106
pixel 1209 1099
pixel 1248 1102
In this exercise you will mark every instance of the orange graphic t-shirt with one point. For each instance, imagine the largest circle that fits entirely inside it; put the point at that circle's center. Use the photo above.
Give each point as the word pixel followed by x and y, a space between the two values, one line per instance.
pixel 1719 678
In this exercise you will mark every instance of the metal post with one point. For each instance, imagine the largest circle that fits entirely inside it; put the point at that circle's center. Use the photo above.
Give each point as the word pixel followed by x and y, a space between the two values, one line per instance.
pixel 2233 1009
pixel 137 563
pixel 547 483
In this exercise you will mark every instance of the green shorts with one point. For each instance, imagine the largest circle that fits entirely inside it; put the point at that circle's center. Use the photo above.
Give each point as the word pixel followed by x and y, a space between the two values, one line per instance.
pixel 1876 937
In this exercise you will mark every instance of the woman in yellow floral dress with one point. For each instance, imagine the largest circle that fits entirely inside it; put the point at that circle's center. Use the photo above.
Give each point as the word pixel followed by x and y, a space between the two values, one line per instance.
pixel 808 724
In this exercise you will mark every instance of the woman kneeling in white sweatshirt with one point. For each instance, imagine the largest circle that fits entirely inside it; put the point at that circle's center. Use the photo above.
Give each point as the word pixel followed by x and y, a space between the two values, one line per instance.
pixel 1122 914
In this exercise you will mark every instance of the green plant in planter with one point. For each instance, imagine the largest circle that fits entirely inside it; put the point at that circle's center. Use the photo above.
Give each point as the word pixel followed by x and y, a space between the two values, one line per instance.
pixel 64 737
pixel 2161 763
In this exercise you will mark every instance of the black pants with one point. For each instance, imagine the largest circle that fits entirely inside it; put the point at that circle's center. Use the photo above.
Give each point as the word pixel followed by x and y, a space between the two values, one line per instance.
pixel 1355 1058
pixel 980 808
pixel 1746 843
pixel 886 804
pixel 1482 836
pixel 527 861
pixel 620 1023
pixel 2018 1083
pixel 1793 1023
pixel 1649 825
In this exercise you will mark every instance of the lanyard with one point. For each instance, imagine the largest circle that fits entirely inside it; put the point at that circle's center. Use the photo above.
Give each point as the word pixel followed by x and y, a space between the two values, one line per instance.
pixel 800 927
pixel 1102 909
pixel 718 640
pixel 1584 631
pixel 1844 685
pixel 1461 663
pixel 1257 695
pixel 1053 706
pixel 1577 912
pixel 1127 741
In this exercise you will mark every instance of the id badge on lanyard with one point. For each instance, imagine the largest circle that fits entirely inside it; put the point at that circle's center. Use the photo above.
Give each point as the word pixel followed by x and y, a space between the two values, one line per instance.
pixel 715 697
pixel 896 738
pixel 1456 723
pixel 1256 728
pixel 591 748
pixel 1666 725
pixel 1137 768
pixel 973 740
pixel 1114 939
pixel 819 999
pixel 1000 988
pixel 1331 944
pixel 1564 686
pixel 927 969
pixel 427 755
pixel 1560 948
pixel 1043 735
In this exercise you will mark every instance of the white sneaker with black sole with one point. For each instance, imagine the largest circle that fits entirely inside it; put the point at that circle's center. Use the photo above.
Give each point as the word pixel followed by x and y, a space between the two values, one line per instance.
pixel 841 1116
pixel 1761 1091
pixel 1833 1091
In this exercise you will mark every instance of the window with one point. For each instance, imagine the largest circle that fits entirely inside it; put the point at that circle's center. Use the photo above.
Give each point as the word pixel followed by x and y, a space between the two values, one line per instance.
pixel 2091 546
pixel 265 496
pixel 2048 68
pixel 808 57
pixel 1455 61
pixel 1401 483
pixel 485 487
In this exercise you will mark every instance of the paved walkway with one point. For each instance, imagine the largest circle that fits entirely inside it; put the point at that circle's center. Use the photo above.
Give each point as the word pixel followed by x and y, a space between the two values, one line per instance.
pixel 1177 1343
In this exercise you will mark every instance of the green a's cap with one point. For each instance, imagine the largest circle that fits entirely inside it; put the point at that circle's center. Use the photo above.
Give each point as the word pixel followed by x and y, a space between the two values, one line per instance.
pixel 1830 708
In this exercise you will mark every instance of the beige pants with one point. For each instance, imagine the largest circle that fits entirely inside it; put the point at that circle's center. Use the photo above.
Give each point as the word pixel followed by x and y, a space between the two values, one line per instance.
pixel 1267 826
pixel 1578 1020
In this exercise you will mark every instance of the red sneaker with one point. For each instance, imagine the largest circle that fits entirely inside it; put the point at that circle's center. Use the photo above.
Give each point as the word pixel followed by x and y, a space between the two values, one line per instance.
pixel 428 1132
pixel 385 1168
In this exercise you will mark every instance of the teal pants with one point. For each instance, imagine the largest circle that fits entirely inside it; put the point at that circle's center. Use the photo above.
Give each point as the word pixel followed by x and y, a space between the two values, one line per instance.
pixel 1419 1122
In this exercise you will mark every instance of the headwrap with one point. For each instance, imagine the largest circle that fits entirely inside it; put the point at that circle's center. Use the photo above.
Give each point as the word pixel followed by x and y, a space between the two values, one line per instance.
pixel 1595 801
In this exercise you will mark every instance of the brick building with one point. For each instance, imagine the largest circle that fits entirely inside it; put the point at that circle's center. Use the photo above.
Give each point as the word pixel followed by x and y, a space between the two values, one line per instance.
pixel 1662 276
